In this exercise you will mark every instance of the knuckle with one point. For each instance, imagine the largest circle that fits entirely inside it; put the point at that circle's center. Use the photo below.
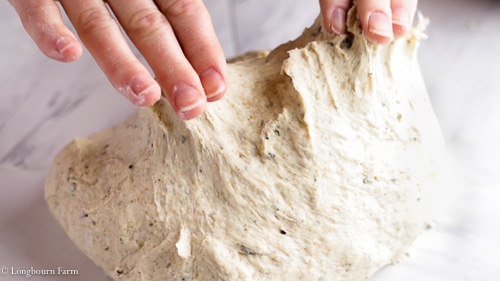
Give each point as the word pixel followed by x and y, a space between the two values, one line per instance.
pixel 93 20
pixel 182 7
pixel 146 21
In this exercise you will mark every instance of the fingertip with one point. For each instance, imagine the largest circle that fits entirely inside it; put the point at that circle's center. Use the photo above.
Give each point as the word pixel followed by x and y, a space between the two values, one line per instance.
pixel 66 49
pixel 43 22
pixel 193 113
pixel 63 48
pixel 379 28
pixel 338 21
pixel 142 90
pixel 214 84
pixel 150 97
pixel 327 21
pixel 401 22
pixel 187 102
pixel 216 97
pixel 334 14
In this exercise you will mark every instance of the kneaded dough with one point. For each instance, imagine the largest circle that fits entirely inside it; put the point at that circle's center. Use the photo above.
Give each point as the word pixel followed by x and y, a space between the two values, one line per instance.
pixel 314 166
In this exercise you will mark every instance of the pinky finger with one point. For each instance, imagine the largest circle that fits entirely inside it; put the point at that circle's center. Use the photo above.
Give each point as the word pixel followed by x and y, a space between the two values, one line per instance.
pixel 43 21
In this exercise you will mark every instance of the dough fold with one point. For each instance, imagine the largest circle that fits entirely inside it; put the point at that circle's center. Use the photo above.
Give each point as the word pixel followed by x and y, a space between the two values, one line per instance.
pixel 319 164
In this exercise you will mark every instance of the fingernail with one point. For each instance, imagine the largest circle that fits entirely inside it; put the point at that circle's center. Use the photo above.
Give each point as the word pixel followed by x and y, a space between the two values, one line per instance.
pixel 379 24
pixel 141 89
pixel 213 84
pixel 338 21
pixel 186 99
pixel 63 44
pixel 401 19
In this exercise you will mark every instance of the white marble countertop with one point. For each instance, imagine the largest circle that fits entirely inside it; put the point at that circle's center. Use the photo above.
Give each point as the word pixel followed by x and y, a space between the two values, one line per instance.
pixel 44 104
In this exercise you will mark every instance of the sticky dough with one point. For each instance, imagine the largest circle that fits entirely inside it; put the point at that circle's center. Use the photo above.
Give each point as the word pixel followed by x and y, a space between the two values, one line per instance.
pixel 316 165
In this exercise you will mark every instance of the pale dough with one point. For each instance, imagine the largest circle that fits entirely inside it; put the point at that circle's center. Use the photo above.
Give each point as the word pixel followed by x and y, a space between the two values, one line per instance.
pixel 314 166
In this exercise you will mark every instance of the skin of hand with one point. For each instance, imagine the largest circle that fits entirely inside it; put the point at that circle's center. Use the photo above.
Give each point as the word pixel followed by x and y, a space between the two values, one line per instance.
pixel 177 40
pixel 381 20
pixel 175 37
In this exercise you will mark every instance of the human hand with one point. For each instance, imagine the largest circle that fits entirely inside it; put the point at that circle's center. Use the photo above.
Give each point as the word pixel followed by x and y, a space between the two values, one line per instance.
pixel 175 37
pixel 381 20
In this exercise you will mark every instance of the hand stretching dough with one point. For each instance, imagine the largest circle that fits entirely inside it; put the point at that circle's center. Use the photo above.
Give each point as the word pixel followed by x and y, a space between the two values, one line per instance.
pixel 314 166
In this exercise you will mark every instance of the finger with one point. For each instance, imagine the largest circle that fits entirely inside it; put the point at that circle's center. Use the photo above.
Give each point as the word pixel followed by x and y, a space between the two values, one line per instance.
pixel 376 20
pixel 403 12
pixel 43 22
pixel 334 13
pixel 193 26
pixel 150 31
pixel 102 37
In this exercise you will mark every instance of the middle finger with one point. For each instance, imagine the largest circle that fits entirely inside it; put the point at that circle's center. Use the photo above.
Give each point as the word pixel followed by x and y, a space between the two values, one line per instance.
pixel 154 37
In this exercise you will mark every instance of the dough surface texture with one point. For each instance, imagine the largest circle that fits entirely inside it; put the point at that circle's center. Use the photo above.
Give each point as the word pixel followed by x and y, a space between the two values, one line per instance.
pixel 318 164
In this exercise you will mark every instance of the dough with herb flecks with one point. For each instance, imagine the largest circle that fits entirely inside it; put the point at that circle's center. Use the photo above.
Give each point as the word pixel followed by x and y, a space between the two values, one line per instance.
pixel 316 165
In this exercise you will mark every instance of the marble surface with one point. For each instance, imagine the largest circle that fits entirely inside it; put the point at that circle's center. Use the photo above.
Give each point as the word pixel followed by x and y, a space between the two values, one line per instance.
pixel 44 104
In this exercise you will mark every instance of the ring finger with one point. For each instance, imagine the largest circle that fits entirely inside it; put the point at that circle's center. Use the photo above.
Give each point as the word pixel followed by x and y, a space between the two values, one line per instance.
pixel 155 38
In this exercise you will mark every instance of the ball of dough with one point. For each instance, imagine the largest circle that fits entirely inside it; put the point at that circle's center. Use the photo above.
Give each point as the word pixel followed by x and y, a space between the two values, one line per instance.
pixel 318 164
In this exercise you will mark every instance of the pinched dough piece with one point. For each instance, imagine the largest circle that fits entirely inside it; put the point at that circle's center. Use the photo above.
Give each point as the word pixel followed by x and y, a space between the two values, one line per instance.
pixel 315 166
